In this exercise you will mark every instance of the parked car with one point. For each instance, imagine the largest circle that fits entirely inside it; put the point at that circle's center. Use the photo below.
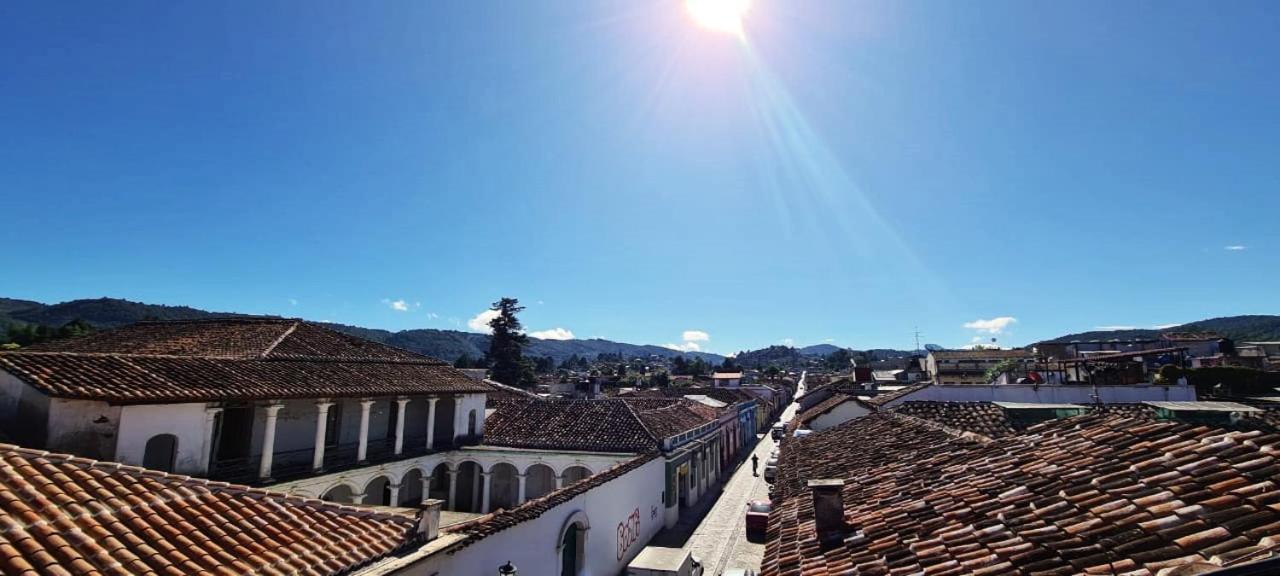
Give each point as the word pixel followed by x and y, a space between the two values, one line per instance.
pixel 758 517
pixel 659 561
pixel 771 470
pixel 739 572
pixel 778 431
pixel 801 433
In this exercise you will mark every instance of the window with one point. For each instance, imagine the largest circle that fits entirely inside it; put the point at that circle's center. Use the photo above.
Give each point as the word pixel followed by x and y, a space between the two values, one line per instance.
pixel 160 452
pixel 471 423
pixel 333 425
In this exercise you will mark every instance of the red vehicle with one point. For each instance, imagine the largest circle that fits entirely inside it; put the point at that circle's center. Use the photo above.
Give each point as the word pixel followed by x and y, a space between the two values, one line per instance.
pixel 758 517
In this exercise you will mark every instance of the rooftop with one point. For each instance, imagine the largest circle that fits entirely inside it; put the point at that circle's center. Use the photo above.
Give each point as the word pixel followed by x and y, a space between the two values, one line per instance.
pixel 63 514
pixel 629 425
pixel 1095 494
pixel 227 359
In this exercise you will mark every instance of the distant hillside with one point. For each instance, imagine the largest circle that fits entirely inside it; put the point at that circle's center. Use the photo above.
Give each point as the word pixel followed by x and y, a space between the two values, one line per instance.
pixel 443 344
pixel 1238 328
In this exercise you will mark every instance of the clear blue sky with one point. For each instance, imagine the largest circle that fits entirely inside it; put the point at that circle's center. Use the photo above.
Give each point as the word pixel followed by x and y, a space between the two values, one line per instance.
pixel 849 171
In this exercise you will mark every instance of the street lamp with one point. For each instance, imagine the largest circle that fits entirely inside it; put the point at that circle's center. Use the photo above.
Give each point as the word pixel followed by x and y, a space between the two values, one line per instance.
pixel 507 569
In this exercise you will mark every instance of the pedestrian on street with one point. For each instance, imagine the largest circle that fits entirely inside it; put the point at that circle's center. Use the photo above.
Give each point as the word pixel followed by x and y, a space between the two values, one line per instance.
pixel 755 464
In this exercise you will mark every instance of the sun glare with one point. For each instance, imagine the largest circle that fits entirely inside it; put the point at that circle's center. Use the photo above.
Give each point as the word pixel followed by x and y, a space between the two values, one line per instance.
pixel 719 15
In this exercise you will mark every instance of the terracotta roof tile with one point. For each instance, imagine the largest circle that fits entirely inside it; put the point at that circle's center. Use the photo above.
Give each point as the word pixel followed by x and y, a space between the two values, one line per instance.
pixel 65 515
pixel 1095 493
pixel 157 362
pixel 636 425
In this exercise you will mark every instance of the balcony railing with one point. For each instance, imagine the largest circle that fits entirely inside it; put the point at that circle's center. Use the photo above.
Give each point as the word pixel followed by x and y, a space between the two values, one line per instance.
pixel 297 464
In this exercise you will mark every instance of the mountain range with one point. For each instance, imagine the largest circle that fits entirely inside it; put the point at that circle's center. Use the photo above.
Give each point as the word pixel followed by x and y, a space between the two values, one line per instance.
pixel 443 344
pixel 450 344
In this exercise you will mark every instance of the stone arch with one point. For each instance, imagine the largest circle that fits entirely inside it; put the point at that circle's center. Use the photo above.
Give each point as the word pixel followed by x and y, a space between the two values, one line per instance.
pixel 378 491
pixel 161 452
pixel 571 544
pixel 411 488
pixel 340 492
pixel 473 426
pixel 540 480
pixel 575 473
pixel 504 487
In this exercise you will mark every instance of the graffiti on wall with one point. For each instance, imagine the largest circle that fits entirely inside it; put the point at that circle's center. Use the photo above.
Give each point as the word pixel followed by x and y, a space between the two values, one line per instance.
pixel 628 533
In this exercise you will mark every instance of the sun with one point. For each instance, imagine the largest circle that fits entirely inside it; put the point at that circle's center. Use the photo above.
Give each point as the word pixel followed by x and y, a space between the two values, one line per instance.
pixel 719 15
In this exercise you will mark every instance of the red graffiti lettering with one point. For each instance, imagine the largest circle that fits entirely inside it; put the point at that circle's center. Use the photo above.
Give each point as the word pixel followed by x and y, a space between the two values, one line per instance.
pixel 628 533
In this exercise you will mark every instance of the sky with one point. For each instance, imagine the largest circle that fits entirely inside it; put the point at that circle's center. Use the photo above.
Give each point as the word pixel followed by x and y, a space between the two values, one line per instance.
pixel 839 171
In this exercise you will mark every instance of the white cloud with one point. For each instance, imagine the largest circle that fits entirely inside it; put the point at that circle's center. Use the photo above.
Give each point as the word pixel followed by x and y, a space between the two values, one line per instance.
pixel 829 340
pixel 992 326
pixel 1165 326
pixel 1115 328
pixel 541 302
pixel 293 301
pixel 1235 248
pixel 432 315
pixel 400 306
pixel 553 334
pixel 686 347
pixel 695 336
pixel 788 342
pixel 481 321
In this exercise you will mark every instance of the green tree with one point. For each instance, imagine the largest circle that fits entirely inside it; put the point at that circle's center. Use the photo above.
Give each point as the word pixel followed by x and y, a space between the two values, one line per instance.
pixel 506 347
pixel 660 380
pixel 464 361
pixel 728 365
pixel 772 372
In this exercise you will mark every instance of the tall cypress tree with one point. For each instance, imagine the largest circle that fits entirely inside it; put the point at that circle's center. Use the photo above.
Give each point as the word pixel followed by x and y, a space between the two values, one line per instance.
pixel 505 347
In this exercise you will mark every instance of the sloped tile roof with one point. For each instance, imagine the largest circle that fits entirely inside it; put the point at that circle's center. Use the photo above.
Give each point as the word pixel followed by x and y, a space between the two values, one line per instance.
pixel 65 515
pixel 836 399
pixel 983 418
pixel 1088 494
pixel 161 362
pixel 635 425
pixel 880 400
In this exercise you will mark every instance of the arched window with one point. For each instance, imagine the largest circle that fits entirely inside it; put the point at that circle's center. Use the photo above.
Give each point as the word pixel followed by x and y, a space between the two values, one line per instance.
pixel 471 423
pixel 160 452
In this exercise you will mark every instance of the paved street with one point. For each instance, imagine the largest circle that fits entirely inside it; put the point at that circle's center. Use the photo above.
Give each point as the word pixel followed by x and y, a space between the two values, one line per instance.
pixel 720 540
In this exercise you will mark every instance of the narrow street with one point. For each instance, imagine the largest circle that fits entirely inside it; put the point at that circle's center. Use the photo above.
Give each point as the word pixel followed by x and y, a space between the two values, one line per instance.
pixel 720 539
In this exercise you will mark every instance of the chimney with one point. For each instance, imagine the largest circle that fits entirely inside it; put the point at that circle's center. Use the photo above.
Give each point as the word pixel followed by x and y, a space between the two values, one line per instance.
pixel 828 508
pixel 429 519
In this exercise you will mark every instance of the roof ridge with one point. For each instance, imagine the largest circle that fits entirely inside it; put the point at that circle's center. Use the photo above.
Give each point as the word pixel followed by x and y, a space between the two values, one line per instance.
pixel 639 420
pixel 278 340
pixel 423 361
pixel 190 481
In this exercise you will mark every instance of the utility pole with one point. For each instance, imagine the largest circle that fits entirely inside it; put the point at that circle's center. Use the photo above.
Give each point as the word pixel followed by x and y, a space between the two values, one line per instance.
pixel 917 340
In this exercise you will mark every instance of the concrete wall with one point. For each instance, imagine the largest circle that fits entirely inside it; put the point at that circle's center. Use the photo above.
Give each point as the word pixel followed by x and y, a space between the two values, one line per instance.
pixel 138 424
pixel 838 415
pixel 467 403
pixel 622 516
pixel 1070 394
pixel 83 427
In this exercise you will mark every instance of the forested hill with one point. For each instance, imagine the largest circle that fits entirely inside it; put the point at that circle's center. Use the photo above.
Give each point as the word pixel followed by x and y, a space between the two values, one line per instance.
pixel 104 313
pixel 1238 328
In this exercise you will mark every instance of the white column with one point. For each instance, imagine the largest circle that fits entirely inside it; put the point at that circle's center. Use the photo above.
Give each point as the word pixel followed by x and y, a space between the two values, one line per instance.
pixel 520 478
pixel 431 422
pixel 476 487
pixel 363 451
pixel 426 488
pixel 357 498
pixel 206 451
pixel 453 488
pixel 322 426
pixel 559 481
pixel 269 441
pixel 400 404
pixel 487 482
pixel 395 494
pixel 459 422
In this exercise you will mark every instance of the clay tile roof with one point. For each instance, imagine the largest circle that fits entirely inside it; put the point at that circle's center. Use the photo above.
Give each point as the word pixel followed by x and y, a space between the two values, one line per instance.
pixel 825 406
pixel 200 360
pixel 65 515
pixel 983 418
pixel 1091 494
pixel 981 354
pixel 630 425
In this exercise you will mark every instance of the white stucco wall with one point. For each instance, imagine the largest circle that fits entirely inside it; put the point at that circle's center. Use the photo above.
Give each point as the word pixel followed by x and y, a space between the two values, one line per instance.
pixel 138 424
pixel 838 415
pixel 467 403
pixel 24 411
pixel 627 508
pixel 82 427
pixel 1070 394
